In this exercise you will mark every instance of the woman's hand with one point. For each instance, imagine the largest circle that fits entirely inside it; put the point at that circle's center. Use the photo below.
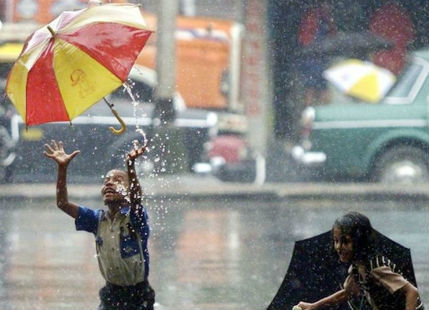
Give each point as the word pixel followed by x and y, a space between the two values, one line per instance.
pixel 56 152
pixel 304 306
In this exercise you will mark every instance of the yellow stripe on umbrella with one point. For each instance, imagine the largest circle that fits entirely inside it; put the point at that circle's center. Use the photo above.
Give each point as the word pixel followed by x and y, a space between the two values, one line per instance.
pixel 74 80
pixel 16 86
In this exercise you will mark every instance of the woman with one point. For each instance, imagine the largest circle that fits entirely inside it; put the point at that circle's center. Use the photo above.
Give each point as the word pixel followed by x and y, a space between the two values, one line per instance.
pixel 370 274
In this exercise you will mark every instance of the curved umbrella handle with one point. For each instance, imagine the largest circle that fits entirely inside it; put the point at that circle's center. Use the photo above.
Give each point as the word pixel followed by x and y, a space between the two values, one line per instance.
pixel 123 126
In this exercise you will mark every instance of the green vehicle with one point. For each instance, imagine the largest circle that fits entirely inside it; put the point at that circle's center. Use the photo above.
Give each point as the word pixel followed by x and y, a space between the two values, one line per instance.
pixel 384 142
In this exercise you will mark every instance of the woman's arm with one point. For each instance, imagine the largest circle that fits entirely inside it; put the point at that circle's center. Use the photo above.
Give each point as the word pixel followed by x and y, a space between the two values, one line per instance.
pixel 411 295
pixel 336 298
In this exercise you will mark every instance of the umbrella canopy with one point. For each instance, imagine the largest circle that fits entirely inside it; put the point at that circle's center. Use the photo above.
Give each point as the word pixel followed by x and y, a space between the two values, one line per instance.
pixel 347 44
pixel 315 271
pixel 74 61
pixel 361 79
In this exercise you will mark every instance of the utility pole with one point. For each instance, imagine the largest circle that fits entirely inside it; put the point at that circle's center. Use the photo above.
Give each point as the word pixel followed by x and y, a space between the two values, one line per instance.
pixel 167 139
pixel 165 62
pixel 256 87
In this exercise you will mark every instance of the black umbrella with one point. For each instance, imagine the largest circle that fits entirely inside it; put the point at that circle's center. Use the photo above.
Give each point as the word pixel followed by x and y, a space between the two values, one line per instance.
pixel 315 271
pixel 347 44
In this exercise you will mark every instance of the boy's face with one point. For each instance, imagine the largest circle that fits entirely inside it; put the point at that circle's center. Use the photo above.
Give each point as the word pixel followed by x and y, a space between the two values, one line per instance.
pixel 343 245
pixel 115 186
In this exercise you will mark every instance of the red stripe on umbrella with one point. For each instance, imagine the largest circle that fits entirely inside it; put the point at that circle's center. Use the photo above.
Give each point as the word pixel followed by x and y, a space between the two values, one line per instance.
pixel 42 74
pixel 98 41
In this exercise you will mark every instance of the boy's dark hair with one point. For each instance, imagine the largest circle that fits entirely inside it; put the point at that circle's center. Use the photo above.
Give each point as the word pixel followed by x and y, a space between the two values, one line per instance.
pixel 358 226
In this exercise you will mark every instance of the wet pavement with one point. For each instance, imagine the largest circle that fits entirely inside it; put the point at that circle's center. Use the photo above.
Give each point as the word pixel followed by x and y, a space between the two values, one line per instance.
pixel 192 187
pixel 217 251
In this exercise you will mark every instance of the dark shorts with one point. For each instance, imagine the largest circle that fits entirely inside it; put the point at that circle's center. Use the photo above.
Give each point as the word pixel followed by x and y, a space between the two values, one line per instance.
pixel 137 297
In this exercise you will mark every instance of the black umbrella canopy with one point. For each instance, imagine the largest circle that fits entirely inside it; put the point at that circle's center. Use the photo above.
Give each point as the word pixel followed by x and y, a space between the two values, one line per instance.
pixel 315 271
pixel 347 44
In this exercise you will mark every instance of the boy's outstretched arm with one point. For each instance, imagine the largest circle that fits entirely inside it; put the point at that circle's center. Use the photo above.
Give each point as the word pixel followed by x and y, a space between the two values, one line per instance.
pixel 56 152
pixel 135 190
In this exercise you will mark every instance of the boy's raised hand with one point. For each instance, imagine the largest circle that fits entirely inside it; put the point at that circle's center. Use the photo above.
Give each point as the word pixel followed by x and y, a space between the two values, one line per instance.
pixel 56 152
pixel 136 151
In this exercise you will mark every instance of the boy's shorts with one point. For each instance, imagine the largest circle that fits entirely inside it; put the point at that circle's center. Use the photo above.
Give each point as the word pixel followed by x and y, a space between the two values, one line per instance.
pixel 137 297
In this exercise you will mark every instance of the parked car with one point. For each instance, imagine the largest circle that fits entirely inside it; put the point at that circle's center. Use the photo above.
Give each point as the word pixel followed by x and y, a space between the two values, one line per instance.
pixel 386 141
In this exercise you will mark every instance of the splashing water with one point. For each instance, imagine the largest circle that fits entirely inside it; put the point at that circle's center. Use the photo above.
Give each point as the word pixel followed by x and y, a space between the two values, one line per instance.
pixel 121 189
pixel 145 141
pixel 128 88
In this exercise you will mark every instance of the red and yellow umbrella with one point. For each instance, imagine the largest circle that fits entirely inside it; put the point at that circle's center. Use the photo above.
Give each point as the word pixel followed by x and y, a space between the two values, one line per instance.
pixel 74 61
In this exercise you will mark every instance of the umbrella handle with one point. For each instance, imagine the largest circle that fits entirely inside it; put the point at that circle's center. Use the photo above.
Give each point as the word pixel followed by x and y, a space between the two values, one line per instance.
pixel 123 126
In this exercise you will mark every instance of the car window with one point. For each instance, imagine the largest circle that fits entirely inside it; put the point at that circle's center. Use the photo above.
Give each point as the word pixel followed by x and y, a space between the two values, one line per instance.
pixel 406 81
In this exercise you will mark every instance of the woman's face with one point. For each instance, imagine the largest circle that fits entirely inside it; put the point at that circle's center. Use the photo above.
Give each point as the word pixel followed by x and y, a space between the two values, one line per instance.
pixel 343 245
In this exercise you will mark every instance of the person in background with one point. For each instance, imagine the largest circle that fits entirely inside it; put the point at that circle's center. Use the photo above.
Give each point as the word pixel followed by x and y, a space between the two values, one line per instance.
pixel 317 23
pixel 392 22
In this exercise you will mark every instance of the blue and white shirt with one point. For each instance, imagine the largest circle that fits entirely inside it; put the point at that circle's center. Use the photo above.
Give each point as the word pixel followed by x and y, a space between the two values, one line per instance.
pixel 121 243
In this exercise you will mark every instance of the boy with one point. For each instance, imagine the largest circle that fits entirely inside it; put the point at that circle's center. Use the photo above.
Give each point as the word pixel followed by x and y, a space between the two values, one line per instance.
pixel 121 232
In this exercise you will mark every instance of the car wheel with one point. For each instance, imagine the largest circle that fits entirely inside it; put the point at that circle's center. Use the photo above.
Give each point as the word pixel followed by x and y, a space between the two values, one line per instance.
pixel 403 164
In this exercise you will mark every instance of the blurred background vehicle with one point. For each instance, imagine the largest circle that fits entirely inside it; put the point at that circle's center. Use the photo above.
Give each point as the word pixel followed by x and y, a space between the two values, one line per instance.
pixel 22 147
pixel 387 141
pixel 205 107
pixel 8 52
pixel 229 158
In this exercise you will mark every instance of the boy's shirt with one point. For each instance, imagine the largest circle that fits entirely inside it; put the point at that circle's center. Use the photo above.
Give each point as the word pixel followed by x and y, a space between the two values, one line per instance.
pixel 121 243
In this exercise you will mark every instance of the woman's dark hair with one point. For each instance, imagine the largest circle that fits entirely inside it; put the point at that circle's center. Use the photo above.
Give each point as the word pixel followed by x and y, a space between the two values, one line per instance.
pixel 360 230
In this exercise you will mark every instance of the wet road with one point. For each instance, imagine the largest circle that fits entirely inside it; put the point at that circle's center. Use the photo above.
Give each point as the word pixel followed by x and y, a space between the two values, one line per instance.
pixel 204 255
